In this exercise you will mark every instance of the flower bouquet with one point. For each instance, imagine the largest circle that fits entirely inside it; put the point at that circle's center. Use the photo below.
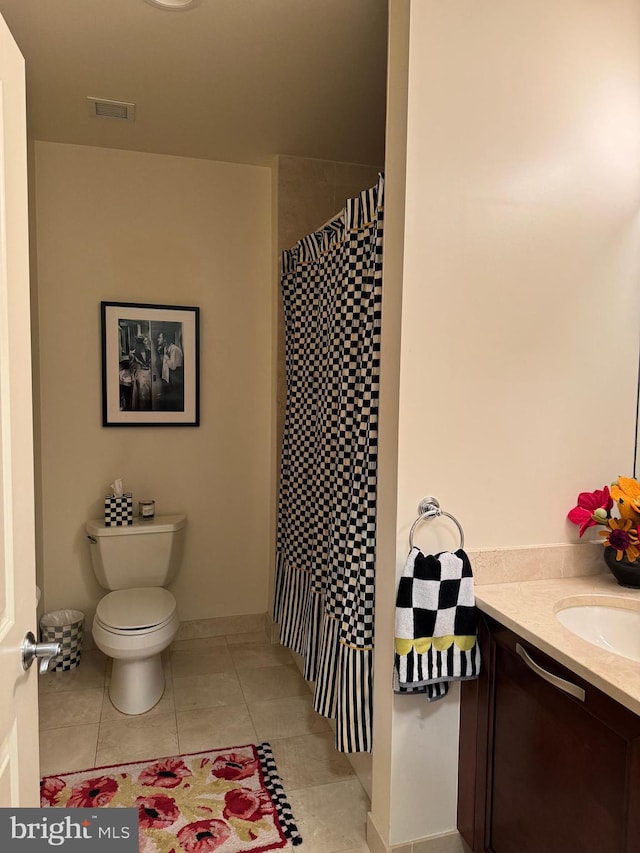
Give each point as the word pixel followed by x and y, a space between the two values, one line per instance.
pixel 620 534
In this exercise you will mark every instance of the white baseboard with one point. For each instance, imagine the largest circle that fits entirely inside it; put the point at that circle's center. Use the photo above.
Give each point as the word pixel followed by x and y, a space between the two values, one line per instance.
pixel 447 842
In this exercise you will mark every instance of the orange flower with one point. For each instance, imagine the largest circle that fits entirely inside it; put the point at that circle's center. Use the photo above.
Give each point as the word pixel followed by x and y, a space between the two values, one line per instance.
pixel 623 538
pixel 626 492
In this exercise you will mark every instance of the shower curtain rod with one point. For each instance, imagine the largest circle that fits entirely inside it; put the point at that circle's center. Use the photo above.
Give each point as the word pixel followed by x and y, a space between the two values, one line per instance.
pixel 329 221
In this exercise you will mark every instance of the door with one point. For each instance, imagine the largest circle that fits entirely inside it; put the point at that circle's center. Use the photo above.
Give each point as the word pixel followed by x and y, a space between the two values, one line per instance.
pixel 19 760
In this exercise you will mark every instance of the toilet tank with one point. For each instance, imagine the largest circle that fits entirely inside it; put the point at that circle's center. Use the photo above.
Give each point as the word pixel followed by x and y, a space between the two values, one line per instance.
pixel 145 553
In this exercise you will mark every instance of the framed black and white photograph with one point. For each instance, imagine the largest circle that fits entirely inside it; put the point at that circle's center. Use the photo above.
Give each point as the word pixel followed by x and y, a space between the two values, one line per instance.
pixel 150 365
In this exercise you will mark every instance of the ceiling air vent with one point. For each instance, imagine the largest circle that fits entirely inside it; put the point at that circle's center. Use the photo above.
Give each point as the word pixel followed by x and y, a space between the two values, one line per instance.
pixel 102 108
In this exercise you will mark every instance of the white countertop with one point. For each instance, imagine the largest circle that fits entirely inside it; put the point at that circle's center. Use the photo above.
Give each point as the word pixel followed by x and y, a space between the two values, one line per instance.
pixel 529 607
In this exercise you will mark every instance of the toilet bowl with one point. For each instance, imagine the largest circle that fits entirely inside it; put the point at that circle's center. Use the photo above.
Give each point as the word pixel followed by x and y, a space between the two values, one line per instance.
pixel 134 627
pixel 138 619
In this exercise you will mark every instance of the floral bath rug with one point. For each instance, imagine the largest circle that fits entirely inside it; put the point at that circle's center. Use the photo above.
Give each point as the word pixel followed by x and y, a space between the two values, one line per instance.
pixel 225 800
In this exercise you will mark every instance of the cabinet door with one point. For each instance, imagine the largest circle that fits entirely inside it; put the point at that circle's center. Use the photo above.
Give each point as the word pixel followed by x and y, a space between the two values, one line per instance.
pixel 560 775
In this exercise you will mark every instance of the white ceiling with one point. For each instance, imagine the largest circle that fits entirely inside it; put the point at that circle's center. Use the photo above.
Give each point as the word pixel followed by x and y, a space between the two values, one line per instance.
pixel 230 80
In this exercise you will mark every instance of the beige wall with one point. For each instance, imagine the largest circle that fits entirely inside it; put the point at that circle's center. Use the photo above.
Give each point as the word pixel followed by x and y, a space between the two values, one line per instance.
pixel 520 306
pixel 125 226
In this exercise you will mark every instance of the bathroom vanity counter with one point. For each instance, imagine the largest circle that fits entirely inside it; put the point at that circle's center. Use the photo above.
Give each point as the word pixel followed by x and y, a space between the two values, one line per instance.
pixel 529 609
pixel 549 756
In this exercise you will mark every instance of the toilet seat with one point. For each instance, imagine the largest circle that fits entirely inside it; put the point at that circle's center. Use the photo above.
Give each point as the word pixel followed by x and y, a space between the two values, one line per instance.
pixel 140 609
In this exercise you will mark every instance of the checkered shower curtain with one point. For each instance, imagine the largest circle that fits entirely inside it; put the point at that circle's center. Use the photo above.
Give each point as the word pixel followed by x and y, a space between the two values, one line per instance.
pixel 324 599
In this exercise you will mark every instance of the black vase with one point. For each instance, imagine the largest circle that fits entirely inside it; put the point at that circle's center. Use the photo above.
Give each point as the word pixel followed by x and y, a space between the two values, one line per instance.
pixel 626 573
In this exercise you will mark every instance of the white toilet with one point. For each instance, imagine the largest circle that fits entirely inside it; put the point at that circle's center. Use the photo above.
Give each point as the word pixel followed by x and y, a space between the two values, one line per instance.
pixel 138 620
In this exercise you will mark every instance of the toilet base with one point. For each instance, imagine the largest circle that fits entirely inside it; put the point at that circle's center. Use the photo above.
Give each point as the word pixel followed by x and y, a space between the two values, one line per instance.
pixel 136 685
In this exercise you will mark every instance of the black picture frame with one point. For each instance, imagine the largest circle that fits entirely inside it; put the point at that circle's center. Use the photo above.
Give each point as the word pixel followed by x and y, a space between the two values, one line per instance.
pixel 150 365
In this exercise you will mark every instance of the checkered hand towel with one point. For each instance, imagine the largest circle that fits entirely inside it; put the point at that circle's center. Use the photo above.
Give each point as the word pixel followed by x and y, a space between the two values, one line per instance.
pixel 436 628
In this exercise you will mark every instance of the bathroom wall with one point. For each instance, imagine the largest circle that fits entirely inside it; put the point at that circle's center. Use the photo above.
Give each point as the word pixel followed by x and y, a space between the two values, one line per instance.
pixel 514 385
pixel 127 226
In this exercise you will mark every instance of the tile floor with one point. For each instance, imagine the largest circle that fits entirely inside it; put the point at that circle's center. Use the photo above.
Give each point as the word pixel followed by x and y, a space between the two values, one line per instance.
pixel 220 691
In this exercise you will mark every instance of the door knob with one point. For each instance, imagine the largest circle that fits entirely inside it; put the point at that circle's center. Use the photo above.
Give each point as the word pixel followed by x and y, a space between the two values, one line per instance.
pixel 44 652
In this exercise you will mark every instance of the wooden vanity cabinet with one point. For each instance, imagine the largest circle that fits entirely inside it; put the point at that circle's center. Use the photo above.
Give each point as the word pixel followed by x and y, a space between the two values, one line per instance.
pixel 541 771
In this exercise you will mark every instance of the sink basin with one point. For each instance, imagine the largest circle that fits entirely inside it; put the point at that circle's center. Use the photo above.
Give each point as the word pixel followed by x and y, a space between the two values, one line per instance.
pixel 614 628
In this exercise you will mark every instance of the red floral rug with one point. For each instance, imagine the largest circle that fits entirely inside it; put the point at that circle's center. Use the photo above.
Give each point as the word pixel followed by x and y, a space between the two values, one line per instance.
pixel 225 800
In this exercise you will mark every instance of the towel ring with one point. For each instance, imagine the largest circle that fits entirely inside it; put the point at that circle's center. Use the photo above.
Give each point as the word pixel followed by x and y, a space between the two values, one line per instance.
pixel 430 508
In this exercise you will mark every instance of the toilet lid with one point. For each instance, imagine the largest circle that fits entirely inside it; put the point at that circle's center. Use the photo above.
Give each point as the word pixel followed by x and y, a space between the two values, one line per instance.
pixel 131 609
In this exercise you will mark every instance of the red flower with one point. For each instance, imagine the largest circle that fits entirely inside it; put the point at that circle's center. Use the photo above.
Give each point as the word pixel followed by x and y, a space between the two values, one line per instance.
pixel 157 811
pixel 588 503
pixel 234 766
pixel 202 836
pixel 167 773
pixel 94 793
pixel 247 804
pixel 49 790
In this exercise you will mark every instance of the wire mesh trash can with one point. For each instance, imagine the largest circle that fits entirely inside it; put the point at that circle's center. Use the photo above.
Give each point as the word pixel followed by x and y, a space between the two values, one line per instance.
pixel 64 627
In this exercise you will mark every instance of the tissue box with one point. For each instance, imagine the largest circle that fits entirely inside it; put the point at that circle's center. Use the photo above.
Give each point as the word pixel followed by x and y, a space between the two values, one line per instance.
pixel 118 511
